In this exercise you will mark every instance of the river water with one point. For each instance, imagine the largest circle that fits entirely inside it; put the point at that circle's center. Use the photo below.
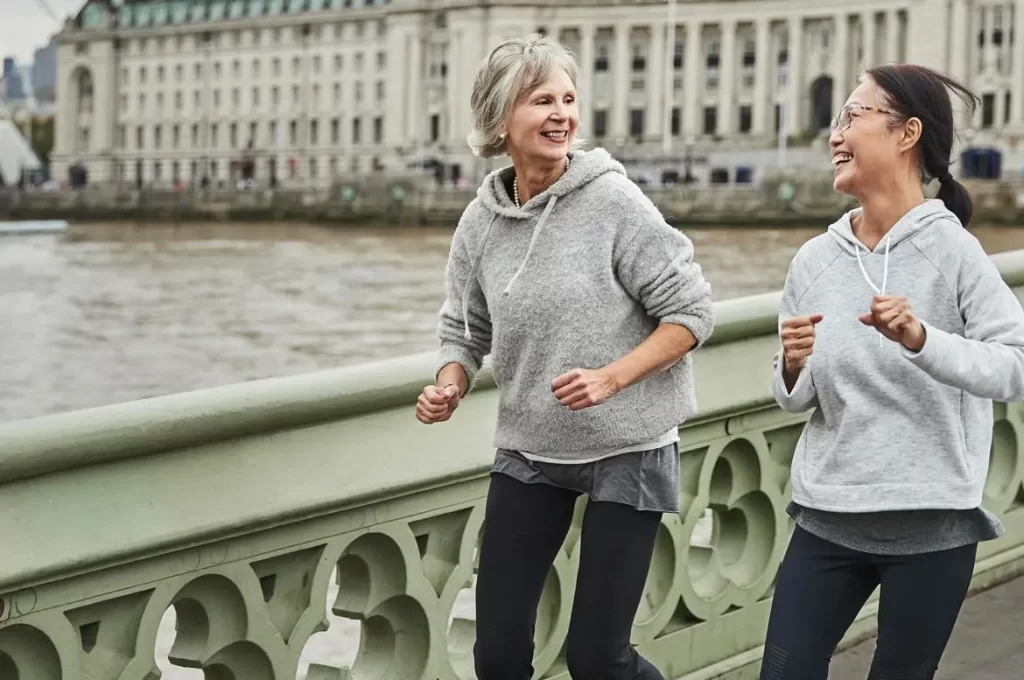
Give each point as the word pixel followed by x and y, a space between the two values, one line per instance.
pixel 111 313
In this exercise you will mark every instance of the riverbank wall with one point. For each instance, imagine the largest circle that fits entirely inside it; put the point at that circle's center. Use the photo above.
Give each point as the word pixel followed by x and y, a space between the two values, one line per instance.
pixel 778 201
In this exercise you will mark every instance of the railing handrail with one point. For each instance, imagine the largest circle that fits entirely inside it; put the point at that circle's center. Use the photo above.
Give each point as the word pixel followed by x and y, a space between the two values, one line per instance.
pixel 104 434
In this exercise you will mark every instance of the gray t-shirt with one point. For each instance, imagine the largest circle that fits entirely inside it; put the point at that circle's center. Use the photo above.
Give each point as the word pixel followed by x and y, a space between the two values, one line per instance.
pixel 899 532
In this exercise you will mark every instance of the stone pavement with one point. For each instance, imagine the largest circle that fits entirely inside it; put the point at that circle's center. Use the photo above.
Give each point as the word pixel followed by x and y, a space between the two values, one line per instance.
pixel 987 643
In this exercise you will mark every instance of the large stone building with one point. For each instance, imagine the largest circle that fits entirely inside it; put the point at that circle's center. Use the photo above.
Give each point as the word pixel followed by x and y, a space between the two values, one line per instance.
pixel 307 90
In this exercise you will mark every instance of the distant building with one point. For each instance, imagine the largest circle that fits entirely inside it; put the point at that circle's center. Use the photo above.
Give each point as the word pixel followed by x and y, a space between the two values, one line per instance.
pixel 316 89
pixel 14 87
pixel 44 73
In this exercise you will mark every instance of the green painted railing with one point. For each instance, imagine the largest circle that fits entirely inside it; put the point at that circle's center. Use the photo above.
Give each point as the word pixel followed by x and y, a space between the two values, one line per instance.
pixel 311 527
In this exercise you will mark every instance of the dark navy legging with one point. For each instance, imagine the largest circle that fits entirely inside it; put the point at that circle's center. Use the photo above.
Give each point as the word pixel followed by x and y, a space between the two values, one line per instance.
pixel 821 588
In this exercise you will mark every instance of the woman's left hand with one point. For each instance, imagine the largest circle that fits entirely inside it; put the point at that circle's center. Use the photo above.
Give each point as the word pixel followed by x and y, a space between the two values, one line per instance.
pixel 582 388
pixel 892 316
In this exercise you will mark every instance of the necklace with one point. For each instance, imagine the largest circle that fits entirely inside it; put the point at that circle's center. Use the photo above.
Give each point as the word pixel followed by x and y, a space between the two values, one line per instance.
pixel 515 182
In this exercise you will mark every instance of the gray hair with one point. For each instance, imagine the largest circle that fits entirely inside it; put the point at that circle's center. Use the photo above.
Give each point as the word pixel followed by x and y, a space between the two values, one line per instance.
pixel 515 68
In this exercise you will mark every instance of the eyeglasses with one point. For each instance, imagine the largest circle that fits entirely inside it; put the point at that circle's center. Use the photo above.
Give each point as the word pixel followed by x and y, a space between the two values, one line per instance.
pixel 845 119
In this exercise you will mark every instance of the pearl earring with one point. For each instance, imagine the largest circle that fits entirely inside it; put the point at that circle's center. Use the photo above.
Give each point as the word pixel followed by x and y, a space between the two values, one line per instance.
pixel 502 136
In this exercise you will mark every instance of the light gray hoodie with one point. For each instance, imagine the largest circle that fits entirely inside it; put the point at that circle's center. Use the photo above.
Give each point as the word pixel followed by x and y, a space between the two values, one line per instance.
pixel 892 429
pixel 577 277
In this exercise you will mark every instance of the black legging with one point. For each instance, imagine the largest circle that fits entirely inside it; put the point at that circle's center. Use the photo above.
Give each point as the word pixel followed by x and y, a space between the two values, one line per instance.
pixel 821 588
pixel 524 527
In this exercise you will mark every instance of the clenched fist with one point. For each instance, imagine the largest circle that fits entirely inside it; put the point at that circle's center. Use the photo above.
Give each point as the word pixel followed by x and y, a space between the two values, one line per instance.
pixel 437 404
pixel 798 341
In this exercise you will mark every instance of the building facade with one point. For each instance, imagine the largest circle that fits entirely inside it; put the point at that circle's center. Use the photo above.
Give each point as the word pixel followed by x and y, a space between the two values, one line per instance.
pixel 305 91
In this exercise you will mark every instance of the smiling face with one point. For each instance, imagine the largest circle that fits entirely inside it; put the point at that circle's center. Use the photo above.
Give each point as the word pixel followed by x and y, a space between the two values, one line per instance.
pixel 866 149
pixel 543 123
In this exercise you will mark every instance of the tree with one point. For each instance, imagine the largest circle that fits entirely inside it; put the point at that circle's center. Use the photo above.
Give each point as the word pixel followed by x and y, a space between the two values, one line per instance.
pixel 42 138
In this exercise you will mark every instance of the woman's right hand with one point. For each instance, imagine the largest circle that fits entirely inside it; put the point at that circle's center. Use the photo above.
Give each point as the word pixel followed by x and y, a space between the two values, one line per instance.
pixel 436 404
pixel 798 342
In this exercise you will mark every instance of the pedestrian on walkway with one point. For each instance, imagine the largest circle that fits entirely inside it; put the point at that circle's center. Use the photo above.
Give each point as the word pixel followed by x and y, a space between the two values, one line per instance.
pixel 898 330
pixel 589 305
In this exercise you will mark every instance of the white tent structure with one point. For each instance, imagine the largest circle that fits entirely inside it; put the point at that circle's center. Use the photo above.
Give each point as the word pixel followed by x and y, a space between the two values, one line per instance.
pixel 15 152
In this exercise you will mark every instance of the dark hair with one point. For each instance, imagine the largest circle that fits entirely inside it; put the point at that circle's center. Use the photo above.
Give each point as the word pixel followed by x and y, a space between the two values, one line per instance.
pixel 918 92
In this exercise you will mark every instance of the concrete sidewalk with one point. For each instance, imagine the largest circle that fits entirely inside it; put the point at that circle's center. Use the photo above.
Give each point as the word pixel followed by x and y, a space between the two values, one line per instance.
pixel 987 643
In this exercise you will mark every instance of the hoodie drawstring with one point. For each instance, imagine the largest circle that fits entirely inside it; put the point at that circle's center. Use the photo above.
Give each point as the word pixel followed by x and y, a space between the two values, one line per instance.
pixel 533 242
pixel 480 254
pixel 885 273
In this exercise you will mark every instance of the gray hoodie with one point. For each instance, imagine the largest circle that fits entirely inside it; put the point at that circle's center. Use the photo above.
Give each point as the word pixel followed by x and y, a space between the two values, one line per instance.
pixel 576 278
pixel 895 430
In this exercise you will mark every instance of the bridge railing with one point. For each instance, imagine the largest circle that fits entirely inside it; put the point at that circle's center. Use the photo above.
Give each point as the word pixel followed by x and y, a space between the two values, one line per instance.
pixel 310 527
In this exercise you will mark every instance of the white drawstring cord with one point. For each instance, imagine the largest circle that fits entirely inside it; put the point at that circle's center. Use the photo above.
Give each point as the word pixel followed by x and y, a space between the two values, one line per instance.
pixel 885 274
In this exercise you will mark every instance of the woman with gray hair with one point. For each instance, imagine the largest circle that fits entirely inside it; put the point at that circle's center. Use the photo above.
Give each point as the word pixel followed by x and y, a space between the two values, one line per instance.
pixel 589 305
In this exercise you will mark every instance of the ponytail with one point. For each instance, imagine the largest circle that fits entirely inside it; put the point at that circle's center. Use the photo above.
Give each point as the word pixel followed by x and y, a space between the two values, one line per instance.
pixel 917 92
pixel 957 199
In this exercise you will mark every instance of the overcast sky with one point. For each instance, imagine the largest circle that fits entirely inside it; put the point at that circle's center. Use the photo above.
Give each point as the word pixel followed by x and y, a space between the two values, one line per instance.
pixel 25 25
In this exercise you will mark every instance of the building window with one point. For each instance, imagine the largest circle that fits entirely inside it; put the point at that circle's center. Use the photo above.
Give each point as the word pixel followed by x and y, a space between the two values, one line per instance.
pixel 356 131
pixel 678 55
pixel 214 142
pixel 195 136
pixel 335 132
pixel 378 129
pixel 988 110
pixel 600 123
pixel 676 121
pixel 314 132
pixel 435 127
pixel 233 135
pixel 601 62
pixel 710 120
pixel 140 137
pixel 746 118
pixel 1006 108
pixel 637 84
pixel 636 123
pixel 293 134
pixel 749 54
pixel 176 136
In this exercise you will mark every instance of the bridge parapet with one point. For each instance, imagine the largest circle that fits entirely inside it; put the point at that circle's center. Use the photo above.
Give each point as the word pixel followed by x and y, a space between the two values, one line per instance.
pixel 310 527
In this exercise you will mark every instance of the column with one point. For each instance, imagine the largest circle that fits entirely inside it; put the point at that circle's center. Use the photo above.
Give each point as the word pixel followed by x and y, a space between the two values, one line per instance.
pixel 1017 70
pixel 892 36
pixel 841 62
pixel 795 78
pixel 727 80
pixel 870 33
pixel 762 87
pixel 584 91
pixel 414 83
pixel 620 82
pixel 691 81
pixel 453 81
pixel 959 57
pixel 655 82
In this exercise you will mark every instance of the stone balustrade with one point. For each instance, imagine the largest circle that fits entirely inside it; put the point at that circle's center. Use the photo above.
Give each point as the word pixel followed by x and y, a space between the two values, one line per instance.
pixel 310 527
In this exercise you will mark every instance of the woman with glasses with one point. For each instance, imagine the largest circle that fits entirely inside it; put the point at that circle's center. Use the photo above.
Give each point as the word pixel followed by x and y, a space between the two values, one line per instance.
pixel 899 332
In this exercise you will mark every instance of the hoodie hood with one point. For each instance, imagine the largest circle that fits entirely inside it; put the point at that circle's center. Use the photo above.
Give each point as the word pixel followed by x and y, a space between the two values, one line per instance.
pixel 909 225
pixel 584 168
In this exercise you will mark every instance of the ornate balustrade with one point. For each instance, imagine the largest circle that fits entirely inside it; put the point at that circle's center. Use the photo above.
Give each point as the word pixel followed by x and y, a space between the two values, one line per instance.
pixel 311 527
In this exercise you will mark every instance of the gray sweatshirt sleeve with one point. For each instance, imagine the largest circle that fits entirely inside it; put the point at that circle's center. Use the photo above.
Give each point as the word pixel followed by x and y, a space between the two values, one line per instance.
pixel 455 320
pixel 988 361
pixel 803 397
pixel 655 265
